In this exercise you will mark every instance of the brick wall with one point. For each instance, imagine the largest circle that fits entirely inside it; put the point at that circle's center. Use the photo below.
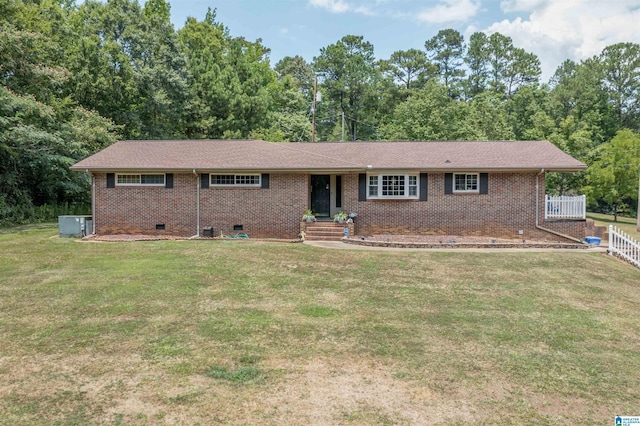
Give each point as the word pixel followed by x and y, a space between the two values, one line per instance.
pixel 509 207
pixel 138 209
pixel 275 212
pixel 576 228
pixel 272 212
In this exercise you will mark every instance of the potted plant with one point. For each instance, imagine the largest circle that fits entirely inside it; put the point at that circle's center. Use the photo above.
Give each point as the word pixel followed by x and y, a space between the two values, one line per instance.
pixel 308 216
pixel 340 217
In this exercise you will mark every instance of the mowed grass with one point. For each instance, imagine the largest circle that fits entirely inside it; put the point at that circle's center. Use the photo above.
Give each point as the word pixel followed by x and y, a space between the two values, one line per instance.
pixel 249 332
pixel 626 224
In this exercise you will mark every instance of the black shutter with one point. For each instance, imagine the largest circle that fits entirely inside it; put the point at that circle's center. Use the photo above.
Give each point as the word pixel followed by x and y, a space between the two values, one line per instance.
pixel 264 181
pixel 484 183
pixel 111 180
pixel 424 188
pixel 204 180
pixel 338 191
pixel 168 180
pixel 448 183
pixel 362 187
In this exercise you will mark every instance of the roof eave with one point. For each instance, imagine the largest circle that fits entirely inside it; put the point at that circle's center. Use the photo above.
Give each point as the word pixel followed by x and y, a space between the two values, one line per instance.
pixel 554 168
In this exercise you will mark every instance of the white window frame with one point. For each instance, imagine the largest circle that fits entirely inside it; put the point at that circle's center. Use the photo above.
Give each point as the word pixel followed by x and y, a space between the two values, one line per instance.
pixel 139 179
pixel 411 181
pixel 237 180
pixel 466 178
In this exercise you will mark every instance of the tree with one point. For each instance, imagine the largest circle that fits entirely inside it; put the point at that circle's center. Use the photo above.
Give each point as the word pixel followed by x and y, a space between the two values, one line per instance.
pixel 128 66
pixel 488 118
pixel 23 55
pixel 477 60
pixel 299 70
pixel 349 76
pixel 410 68
pixel 621 81
pixel 288 115
pixel 446 50
pixel 523 70
pixel 577 94
pixel 528 114
pixel 229 79
pixel 511 67
pixel 40 137
pixel 101 61
pixel 160 73
pixel 613 178
pixel 430 114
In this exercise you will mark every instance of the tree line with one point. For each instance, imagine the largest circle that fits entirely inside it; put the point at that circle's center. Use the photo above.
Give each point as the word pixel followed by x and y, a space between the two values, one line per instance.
pixel 74 78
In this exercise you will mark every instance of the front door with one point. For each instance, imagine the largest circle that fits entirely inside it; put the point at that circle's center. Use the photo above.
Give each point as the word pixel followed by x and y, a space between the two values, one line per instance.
pixel 320 195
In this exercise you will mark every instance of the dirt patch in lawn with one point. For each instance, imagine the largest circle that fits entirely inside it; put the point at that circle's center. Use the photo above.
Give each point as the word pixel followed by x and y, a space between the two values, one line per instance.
pixel 324 391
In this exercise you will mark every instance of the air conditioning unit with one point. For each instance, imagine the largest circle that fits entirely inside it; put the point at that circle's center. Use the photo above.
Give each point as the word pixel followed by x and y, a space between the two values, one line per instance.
pixel 74 226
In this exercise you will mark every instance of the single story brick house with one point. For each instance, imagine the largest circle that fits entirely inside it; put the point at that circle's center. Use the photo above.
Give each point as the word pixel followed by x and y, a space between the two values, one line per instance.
pixel 179 187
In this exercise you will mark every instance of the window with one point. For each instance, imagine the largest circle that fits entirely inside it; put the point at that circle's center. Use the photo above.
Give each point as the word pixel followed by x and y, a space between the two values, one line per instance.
pixel 393 186
pixel 373 186
pixel 235 180
pixel 140 179
pixel 465 182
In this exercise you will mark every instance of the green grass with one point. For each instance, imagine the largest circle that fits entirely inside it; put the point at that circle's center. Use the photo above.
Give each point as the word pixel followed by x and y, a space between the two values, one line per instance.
pixel 626 224
pixel 248 332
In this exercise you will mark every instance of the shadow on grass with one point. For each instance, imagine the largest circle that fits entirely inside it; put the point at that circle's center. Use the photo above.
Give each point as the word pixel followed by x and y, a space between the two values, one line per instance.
pixel 25 229
pixel 599 217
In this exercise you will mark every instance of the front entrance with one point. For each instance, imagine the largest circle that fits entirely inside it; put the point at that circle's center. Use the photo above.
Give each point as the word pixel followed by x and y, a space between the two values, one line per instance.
pixel 321 195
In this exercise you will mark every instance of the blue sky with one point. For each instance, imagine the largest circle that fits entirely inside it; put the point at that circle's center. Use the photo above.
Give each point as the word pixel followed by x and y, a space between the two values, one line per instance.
pixel 552 29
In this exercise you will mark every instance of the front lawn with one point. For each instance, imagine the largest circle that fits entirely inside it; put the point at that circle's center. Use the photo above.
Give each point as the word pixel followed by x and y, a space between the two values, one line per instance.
pixel 626 224
pixel 248 332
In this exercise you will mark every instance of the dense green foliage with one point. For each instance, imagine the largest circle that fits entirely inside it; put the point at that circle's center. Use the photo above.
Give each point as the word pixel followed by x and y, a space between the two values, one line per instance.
pixel 76 77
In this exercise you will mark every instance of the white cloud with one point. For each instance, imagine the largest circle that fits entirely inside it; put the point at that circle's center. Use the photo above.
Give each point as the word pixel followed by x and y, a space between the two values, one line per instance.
pixel 364 10
pixel 342 6
pixel 571 29
pixel 450 11
pixel 334 6
pixel 522 5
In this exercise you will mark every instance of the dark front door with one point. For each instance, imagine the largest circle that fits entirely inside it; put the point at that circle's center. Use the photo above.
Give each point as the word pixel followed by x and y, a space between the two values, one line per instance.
pixel 320 204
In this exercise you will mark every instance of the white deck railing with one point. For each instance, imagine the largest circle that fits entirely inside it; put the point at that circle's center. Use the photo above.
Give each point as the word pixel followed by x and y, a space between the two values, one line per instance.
pixel 623 246
pixel 564 207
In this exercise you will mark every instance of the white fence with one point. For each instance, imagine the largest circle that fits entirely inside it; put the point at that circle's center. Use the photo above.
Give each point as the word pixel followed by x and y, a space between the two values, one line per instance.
pixel 563 207
pixel 623 246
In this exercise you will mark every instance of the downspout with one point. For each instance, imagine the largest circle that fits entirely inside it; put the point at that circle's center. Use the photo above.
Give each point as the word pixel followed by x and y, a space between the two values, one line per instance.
pixel 93 201
pixel 538 213
pixel 197 235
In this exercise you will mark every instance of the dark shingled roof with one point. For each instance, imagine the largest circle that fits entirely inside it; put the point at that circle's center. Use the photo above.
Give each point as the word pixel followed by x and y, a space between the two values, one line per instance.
pixel 257 155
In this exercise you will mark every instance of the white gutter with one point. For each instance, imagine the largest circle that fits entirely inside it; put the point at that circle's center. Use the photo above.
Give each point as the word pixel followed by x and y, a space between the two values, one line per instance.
pixel 538 213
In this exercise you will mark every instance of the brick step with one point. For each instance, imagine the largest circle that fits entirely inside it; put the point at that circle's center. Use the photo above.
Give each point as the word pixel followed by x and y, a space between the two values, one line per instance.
pixel 325 228
pixel 324 231
pixel 325 225
pixel 599 231
pixel 323 238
